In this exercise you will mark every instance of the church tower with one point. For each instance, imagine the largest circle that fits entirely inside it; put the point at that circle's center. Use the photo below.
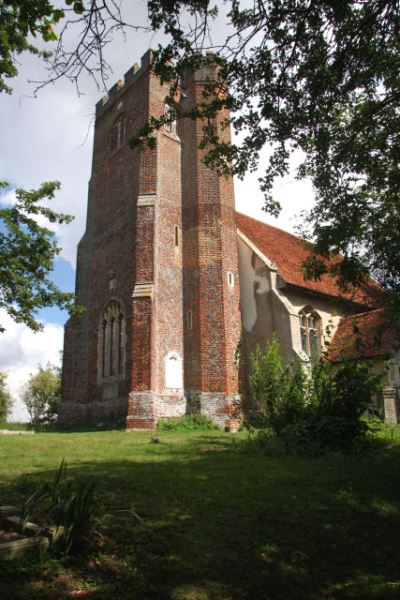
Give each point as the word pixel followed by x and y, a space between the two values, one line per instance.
pixel 157 269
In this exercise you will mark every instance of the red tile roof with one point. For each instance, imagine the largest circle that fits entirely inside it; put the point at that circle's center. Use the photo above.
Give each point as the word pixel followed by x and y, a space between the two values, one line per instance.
pixel 363 335
pixel 288 252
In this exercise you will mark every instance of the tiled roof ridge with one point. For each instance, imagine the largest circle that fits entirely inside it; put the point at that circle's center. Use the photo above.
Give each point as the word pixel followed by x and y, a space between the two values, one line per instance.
pixel 288 252
pixel 293 235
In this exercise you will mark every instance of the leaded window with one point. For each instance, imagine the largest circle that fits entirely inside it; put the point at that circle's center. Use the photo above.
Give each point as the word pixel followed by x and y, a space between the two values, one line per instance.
pixel 310 331
pixel 112 341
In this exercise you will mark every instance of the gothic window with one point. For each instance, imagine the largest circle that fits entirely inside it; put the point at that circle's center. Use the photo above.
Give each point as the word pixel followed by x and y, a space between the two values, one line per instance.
pixel 112 341
pixel 171 125
pixel 118 133
pixel 310 331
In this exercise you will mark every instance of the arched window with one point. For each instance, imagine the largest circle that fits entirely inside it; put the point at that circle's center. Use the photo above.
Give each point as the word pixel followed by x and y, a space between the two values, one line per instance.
pixel 310 331
pixel 171 125
pixel 112 342
pixel 118 133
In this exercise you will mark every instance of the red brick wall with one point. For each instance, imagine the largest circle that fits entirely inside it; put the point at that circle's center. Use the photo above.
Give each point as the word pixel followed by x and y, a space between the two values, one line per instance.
pixel 210 251
pixel 136 201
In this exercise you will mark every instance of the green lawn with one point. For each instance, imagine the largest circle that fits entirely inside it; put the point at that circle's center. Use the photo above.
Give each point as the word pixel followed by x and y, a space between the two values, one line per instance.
pixel 216 524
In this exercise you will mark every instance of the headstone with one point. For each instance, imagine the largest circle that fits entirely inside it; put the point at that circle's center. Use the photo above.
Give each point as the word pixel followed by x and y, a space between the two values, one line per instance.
pixel 391 405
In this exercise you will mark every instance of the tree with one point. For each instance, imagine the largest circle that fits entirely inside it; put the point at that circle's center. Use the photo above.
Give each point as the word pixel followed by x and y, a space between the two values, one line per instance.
pixel 94 23
pixel 5 397
pixel 323 77
pixel 320 76
pixel 27 252
pixel 42 394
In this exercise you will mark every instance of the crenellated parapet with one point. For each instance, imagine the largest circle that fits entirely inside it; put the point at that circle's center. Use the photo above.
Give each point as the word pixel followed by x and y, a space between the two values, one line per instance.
pixel 130 77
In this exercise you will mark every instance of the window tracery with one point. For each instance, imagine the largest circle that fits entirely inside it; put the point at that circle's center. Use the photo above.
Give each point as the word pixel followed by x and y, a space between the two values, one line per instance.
pixel 112 341
pixel 310 332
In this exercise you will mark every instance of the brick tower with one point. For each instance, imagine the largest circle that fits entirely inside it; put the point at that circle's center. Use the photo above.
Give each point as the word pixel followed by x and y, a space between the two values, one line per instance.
pixel 157 269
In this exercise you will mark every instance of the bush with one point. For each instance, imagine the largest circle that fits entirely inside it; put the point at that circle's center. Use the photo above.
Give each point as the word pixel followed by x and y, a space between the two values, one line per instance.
pixel 278 390
pixel 343 393
pixel 192 422
pixel 308 413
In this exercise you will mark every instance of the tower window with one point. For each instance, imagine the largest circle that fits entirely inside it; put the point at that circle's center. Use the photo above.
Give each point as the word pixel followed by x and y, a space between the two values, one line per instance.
pixel 171 123
pixel 112 341
pixel 189 319
pixel 118 133
pixel 310 331
pixel 176 236
pixel 231 279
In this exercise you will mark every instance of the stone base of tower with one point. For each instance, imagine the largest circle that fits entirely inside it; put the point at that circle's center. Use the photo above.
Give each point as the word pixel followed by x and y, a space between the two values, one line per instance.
pixel 142 410
pixel 146 408
pixel 220 408
pixel 92 413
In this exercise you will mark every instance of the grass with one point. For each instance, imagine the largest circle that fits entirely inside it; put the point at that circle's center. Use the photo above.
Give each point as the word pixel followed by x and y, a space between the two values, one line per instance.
pixel 215 523
pixel 15 426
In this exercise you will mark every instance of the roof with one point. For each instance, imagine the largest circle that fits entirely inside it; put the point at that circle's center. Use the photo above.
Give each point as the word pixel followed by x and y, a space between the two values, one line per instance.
pixel 363 335
pixel 288 252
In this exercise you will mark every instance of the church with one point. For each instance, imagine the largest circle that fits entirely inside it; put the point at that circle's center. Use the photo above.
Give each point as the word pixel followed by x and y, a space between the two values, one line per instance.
pixel 174 281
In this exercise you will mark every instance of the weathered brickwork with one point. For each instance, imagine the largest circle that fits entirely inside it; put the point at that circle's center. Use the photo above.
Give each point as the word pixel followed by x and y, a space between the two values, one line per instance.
pixel 160 242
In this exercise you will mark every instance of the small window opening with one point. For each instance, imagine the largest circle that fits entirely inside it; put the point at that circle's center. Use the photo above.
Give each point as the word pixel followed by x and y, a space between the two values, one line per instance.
pixel 171 125
pixel 176 236
pixel 118 133
pixel 231 279
pixel 189 319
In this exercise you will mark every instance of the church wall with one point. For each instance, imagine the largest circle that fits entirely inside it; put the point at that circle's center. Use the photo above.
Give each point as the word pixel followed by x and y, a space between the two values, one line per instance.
pixel 263 312
pixel 329 310
pixel 269 306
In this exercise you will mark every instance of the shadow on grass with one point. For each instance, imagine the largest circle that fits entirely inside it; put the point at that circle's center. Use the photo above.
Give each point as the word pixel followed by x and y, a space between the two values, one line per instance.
pixel 227 526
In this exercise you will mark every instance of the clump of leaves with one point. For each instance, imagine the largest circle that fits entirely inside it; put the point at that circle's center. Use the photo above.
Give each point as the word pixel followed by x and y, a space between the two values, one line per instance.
pixel 279 390
pixel 309 411
pixel 192 422
pixel 69 504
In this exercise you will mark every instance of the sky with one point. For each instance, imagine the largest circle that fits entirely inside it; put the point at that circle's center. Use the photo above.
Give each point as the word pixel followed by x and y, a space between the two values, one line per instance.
pixel 50 138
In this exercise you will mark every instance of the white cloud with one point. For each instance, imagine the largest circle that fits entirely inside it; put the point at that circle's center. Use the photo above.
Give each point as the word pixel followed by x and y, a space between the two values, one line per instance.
pixel 21 351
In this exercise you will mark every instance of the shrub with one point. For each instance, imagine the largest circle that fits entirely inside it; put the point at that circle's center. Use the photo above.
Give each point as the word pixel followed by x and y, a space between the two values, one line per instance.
pixel 278 390
pixel 192 422
pixel 309 412
pixel 342 393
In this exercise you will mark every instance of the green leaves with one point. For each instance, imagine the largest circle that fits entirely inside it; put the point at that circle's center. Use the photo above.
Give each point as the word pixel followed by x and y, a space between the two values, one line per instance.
pixel 27 253
pixel 42 395
pixel 5 397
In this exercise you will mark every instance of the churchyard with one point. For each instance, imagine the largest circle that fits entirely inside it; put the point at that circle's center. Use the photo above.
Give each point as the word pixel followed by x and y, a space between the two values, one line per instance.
pixel 195 516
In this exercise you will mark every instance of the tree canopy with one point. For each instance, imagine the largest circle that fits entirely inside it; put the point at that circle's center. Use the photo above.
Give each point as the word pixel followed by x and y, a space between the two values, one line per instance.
pixel 42 394
pixel 5 397
pixel 319 76
pixel 27 252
